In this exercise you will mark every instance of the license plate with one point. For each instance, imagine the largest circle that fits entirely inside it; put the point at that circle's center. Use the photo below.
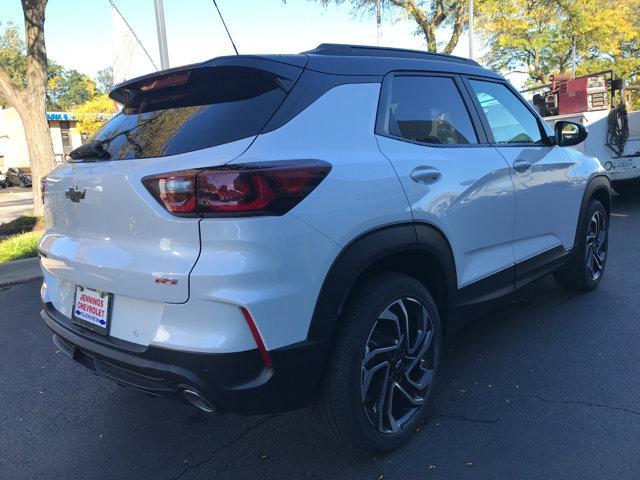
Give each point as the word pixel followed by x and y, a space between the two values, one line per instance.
pixel 92 309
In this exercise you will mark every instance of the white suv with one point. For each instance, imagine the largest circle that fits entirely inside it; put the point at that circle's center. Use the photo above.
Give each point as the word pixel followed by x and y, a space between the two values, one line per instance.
pixel 259 233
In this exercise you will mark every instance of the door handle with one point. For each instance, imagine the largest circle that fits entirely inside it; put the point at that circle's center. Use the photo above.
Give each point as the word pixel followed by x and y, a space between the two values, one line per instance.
pixel 425 175
pixel 521 166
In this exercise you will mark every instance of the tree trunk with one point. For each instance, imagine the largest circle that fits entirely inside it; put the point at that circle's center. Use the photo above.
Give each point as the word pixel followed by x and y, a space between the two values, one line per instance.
pixel 36 131
pixel 30 102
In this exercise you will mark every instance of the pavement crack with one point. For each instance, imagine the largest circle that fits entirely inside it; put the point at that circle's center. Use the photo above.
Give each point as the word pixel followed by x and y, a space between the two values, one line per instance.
pixel 224 447
pixel 576 402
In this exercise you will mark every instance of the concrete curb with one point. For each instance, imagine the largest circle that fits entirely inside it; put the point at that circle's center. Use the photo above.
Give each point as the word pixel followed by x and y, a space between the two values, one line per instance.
pixel 19 271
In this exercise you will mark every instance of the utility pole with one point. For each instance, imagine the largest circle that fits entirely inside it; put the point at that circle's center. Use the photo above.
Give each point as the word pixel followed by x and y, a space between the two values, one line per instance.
pixel 573 57
pixel 162 34
pixel 378 19
pixel 471 29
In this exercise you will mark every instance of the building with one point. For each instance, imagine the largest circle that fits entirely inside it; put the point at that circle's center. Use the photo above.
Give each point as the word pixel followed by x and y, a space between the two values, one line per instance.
pixel 13 145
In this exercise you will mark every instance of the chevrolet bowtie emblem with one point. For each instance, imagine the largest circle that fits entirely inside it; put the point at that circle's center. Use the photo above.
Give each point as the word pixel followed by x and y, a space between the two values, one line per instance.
pixel 74 194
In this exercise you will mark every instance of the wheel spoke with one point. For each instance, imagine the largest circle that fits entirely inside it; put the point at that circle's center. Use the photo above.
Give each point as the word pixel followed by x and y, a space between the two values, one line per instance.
pixel 393 423
pixel 597 261
pixel 388 315
pixel 417 401
pixel 404 323
pixel 379 351
pixel 425 374
pixel 368 376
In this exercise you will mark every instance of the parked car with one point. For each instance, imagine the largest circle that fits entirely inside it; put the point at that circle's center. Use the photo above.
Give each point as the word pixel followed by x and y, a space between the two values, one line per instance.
pixel 3 180
pixel 19 177
pixel 261 233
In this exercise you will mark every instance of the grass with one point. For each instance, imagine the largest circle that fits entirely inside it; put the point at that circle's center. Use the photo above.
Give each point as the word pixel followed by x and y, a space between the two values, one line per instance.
pixel 23 245
pixel 19 238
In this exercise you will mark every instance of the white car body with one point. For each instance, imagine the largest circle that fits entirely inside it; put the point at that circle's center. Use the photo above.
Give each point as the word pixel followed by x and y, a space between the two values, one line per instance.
pixel 180 284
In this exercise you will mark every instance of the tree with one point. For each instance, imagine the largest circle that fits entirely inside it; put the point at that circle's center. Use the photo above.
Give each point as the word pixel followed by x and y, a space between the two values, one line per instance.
pixel 93 114
pixel 12 56
pixel 104 80
pixel 619 46
pixel 429 16
pixel 536 36
pixel 29 98
pixel 68 89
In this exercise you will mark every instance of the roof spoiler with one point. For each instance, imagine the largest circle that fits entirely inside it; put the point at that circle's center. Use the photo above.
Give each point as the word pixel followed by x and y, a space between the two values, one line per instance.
pixel 130 93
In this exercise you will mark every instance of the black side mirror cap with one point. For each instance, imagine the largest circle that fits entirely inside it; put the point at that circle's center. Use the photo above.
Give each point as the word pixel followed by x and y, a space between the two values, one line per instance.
pixel 569 134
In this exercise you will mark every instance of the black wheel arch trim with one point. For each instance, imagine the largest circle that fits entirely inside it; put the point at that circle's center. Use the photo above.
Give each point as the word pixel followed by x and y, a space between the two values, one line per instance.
pixel 599 183
pixel 364 252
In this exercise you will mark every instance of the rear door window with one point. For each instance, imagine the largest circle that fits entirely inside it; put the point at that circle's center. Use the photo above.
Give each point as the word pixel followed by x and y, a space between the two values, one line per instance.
pixel 216 105
pixel 429 109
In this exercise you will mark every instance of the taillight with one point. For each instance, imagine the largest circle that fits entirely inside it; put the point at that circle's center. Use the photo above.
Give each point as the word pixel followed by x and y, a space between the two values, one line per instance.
pixel 267 188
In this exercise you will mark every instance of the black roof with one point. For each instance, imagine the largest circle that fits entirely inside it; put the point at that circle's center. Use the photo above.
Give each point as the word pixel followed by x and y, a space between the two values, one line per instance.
pixel 338 49
pixel 360 60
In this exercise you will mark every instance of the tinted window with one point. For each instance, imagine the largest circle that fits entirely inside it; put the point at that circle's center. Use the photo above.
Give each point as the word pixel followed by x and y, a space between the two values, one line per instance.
pixel 509 119
pixel 429 110
pixel 219 106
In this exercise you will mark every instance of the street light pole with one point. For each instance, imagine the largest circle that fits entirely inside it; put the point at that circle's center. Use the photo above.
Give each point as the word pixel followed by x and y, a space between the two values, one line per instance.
pixel 471 29
pixel 162 34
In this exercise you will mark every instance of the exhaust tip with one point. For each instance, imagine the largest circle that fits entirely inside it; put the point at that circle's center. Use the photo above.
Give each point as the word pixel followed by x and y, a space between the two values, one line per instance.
pixel 198 401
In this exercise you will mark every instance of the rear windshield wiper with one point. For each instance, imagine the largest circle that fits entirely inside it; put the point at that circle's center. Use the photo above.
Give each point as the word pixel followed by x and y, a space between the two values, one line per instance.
pixel 91 150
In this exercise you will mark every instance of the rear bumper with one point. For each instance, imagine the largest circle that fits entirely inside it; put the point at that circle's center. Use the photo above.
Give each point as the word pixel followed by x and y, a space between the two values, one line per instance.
pixel 236 382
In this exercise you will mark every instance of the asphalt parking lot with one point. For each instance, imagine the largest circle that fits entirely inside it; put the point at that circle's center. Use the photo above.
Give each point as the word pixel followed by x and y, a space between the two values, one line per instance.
pixel 546 386
pixel 15 201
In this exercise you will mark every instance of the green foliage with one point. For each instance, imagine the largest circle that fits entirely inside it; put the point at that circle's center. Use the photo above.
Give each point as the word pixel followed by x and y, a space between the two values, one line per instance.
pixel 69 89
pixel 66 89
pixel 536 37
pixel 20 246
pixel 13 55
pixel 93 114
pixel 19 238
pixel 104 80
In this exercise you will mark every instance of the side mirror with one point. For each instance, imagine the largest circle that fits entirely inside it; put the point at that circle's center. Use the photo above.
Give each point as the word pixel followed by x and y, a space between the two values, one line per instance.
pixel 569 133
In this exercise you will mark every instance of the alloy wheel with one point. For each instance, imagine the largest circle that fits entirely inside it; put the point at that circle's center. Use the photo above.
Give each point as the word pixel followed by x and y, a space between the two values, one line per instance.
pixel 397 365
pixel 596 251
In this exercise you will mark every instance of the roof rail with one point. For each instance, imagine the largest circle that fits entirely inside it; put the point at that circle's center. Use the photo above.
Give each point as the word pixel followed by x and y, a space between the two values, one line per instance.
pixel 339 49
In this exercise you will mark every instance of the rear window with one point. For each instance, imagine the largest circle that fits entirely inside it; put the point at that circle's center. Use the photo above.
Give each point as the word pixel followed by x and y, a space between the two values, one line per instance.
pixel 216 105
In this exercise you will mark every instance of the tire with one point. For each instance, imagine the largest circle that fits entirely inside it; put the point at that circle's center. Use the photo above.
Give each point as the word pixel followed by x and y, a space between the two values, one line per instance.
pixel 346 408
pixel 587 266
pixel 627 188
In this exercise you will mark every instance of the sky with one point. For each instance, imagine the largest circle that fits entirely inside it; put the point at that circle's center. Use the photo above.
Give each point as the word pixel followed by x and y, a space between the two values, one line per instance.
pixel 79 33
